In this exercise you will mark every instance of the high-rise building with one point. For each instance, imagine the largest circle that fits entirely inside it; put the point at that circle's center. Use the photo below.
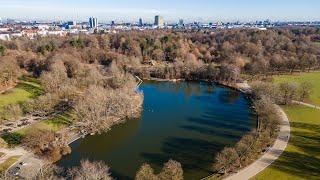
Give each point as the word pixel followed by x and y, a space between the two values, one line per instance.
pixel 140 22
pixel 70 24
pixel 159 21
pixel 93 22
pixel 181 23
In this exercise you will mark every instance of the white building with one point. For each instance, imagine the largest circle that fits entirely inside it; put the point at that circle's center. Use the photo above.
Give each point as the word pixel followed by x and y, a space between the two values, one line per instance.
pixel 5 37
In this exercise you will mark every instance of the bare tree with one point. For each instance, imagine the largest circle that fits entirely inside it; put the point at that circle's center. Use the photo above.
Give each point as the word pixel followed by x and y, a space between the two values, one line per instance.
pixel 99 109
pixel 47 144
pixel 226 160
pixel 52 80
pixel 304 90
pixel 288 91
pixel 50 172
pixel 146 173
pixel 9 71
pixel 172 170
pixel 90 170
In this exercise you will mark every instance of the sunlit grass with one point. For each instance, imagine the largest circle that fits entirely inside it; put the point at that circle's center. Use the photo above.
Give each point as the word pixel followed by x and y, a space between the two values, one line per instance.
pixel 55 124
pixel 312 77
pixel 301 159
pixel 28 88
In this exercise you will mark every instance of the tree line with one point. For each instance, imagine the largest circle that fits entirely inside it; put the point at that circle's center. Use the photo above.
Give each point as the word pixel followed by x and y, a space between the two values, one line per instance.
pixel 180 54
pixel 98 170
pixel 91 77
pixel 265 95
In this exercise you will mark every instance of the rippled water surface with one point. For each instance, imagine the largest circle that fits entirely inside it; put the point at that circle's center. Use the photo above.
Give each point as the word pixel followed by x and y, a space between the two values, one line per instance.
pixel 188 122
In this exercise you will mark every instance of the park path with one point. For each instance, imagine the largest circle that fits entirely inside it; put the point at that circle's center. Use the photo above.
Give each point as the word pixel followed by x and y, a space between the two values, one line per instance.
pixel 271 155
pixel 307 104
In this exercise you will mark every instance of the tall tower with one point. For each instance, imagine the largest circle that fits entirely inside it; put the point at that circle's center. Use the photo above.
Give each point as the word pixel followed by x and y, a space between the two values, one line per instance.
pixel 93 22
pixel 140 22
pixel 159 21
pixel 181 23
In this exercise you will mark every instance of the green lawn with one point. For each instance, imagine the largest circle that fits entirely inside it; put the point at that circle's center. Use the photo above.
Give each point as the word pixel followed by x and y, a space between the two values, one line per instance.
pixel 28 88
pixel 11 160
pixel 55 124
pixel 313 77
pixel 301 159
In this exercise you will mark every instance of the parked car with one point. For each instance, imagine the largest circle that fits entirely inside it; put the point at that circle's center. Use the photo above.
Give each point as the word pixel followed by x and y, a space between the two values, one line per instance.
pixel 22 163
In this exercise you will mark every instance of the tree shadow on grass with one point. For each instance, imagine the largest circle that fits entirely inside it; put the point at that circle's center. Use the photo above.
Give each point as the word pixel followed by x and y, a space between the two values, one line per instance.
pixel 35 91
pixel 305 137
pixel 298 164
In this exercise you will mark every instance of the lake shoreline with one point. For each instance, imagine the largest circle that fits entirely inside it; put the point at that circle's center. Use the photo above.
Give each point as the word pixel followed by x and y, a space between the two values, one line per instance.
pixel 222 92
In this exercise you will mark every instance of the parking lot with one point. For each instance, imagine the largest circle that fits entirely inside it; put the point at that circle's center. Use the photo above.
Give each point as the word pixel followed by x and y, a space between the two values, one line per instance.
pixel 12 126
pixel 27 166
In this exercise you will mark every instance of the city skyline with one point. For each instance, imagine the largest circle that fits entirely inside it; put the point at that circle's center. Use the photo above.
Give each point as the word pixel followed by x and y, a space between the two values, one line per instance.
pixel 172 11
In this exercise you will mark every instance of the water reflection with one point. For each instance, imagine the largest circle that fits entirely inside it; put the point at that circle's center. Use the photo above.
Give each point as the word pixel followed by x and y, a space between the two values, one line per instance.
pixel 230 96
pixel 188 122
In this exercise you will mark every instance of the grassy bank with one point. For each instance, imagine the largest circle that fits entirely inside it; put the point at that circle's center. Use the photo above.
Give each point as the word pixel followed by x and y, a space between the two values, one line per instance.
pixel 54 124
pixel 313 78
pixel 301 159
pixel 28 88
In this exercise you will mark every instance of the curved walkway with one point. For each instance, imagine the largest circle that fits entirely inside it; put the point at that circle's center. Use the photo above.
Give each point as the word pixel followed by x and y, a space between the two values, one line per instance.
pixel 307 104
pixel 271 155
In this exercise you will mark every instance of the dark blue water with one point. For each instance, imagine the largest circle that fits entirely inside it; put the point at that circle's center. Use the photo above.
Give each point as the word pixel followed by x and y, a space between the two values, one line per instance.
pixel 188 122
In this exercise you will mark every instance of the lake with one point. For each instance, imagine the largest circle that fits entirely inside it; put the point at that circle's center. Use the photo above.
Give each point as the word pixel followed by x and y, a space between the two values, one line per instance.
pixel 186 121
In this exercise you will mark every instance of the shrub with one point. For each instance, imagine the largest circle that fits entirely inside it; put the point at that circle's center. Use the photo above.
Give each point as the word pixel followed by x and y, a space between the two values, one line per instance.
pixel 13 138
pixel 2 50
pixel 77 43
pixel 11 112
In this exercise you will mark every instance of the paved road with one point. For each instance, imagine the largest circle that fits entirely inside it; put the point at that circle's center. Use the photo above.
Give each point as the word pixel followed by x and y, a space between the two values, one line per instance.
pixel 27 166
pixel 271 155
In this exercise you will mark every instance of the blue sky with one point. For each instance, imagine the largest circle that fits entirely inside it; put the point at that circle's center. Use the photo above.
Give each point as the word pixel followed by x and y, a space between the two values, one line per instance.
pixel 172 10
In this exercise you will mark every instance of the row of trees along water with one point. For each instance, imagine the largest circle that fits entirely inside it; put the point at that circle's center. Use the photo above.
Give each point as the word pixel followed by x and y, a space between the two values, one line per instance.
pixel 90 76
